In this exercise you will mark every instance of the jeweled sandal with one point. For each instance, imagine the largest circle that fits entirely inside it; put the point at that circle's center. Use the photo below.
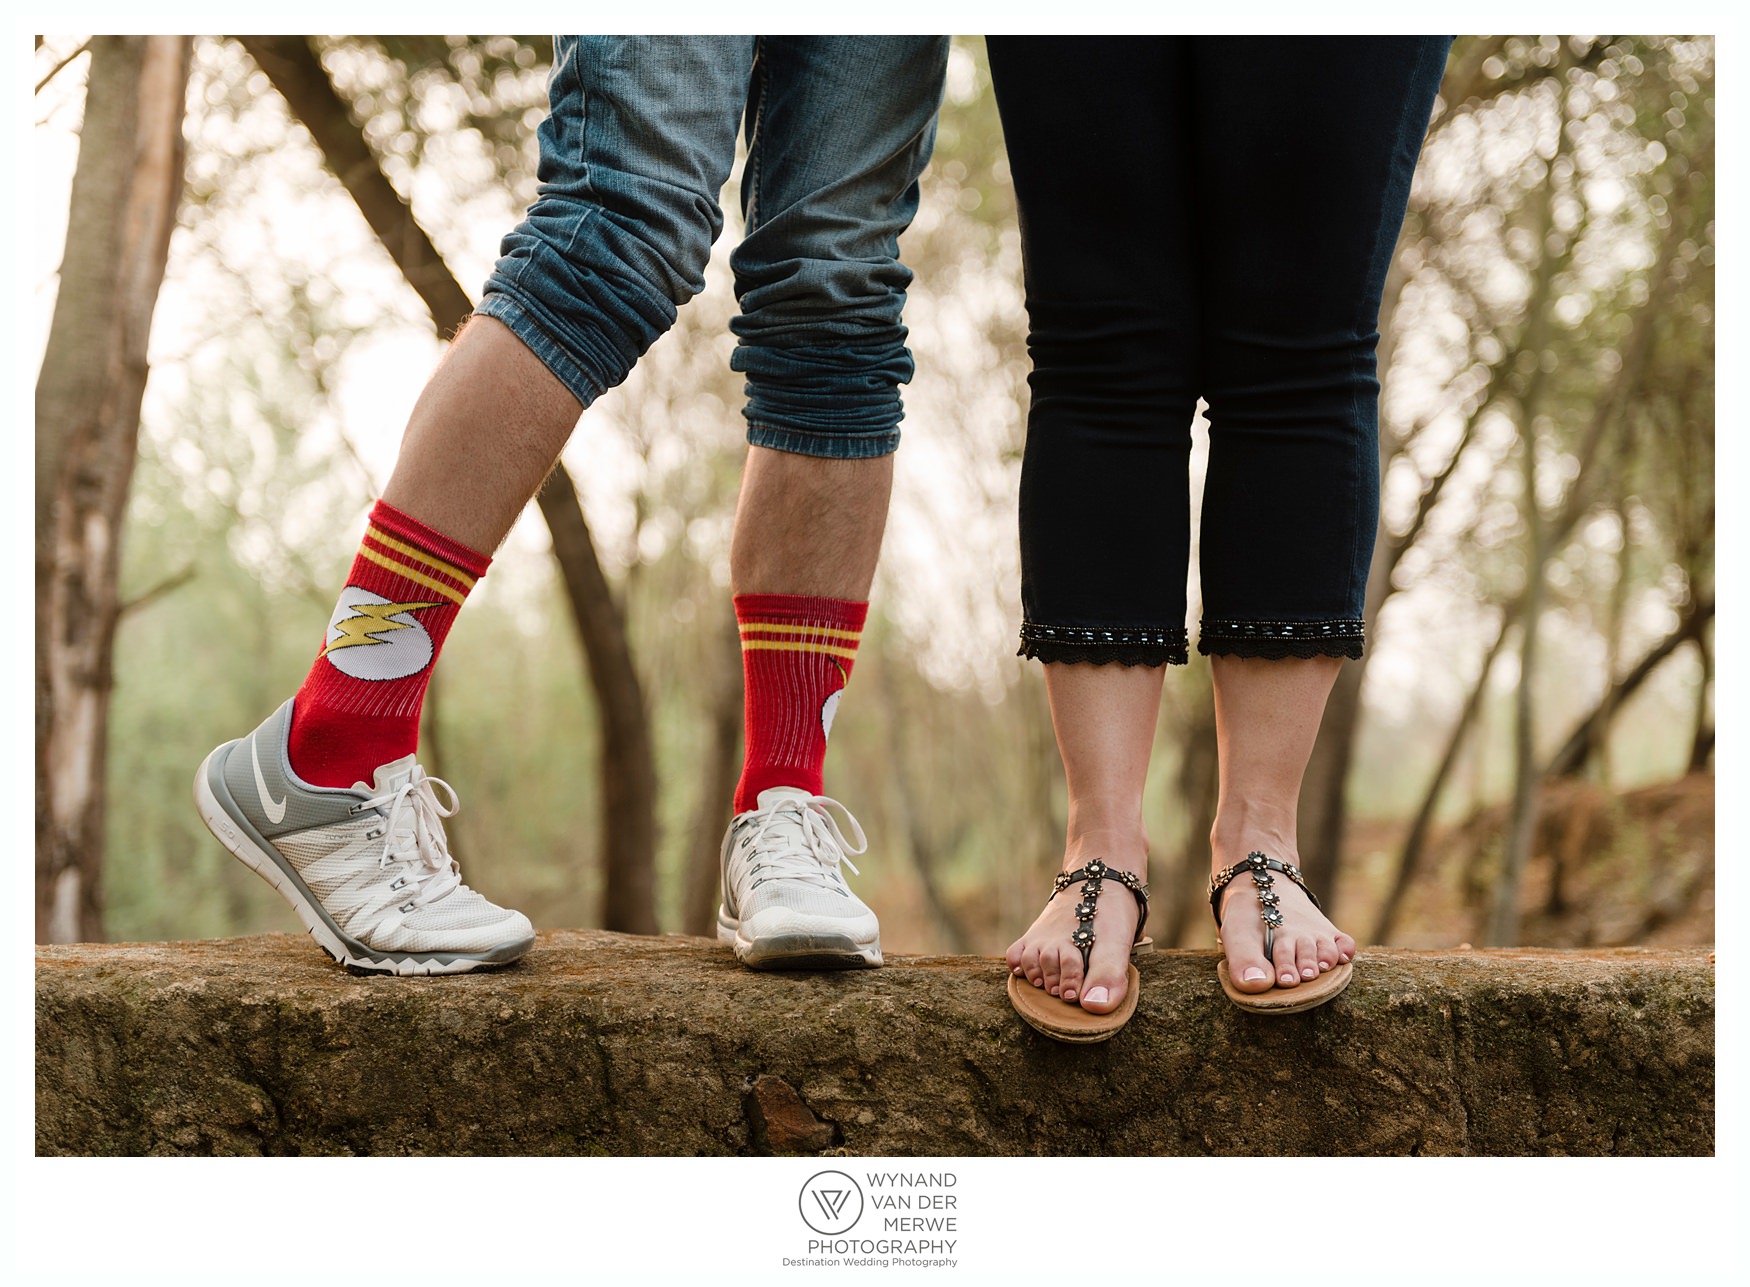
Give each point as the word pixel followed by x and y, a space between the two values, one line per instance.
pixel 1066 1020
pixel 1278 999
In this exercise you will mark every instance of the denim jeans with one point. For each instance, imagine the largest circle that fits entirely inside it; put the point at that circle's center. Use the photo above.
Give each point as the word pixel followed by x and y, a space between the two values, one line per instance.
pixel 1205 217
pixel 639 141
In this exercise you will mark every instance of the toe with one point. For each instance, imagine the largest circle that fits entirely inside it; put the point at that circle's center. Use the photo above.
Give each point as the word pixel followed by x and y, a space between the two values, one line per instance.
pixel 1013 956
pixel 1242 939
pixel 1287 971
pixel 1306 956
pixel 1070 974
pixel 1030 966
pixel 1108 977
pixel 1246 965
pixel 1325 950
pixel 1053 969
pixel 1345 947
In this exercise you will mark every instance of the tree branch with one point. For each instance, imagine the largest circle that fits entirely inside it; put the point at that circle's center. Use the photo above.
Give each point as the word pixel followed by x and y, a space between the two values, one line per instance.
pixel 291 63
pixel 1578 747
pixel 61 66
pixel 175 581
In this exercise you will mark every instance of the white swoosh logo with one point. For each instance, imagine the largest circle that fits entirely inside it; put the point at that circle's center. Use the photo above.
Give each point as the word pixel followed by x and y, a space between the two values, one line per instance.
pixel 275 812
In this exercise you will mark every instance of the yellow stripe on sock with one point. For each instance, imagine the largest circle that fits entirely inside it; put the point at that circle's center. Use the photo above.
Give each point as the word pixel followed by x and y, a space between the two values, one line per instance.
pixel 414 552
pixel 765 645
pixel 413 574
pixel 800 628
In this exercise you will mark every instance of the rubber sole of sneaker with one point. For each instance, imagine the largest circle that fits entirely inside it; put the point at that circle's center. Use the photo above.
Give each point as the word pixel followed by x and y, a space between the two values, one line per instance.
pixel 799 951
pixel 339 945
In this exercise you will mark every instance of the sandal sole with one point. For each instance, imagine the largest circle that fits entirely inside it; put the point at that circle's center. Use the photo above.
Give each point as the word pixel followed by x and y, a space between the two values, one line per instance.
pixel 1065 1020
pixel 1280 1000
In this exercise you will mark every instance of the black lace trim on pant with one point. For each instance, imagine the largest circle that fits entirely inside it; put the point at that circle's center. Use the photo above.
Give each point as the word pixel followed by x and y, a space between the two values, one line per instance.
pixel 1278 639
pixel 1103 645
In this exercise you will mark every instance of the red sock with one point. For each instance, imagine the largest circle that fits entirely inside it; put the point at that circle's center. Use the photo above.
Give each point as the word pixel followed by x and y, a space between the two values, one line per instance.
pixel 359 706
pixel 796 654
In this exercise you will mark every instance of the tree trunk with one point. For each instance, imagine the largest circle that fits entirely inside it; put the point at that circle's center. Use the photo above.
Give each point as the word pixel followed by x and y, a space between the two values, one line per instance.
pixel 717 784
pixel 1199 788
pixel 1324 798
pixel 628 761
pixel 904 795
pixel 1503 926
pixel 1047 824
pixel 1416 842
pixel 1702 745
pixel 628 767
pixel 126 189
pixel 1324 805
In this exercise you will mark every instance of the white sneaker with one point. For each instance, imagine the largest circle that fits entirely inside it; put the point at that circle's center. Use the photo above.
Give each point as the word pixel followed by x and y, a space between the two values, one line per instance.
pixel 785 904
pixel 366 868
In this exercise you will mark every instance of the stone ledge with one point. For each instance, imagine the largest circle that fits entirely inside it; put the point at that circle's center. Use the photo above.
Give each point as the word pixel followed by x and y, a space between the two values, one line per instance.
pixel 613 1044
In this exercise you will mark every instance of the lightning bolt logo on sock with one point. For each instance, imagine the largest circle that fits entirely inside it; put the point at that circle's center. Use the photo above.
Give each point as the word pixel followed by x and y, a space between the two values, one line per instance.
pixel 370 637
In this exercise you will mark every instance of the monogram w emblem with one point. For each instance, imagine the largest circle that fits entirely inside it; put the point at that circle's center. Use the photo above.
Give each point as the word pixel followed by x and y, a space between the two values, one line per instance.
pixel 831 1202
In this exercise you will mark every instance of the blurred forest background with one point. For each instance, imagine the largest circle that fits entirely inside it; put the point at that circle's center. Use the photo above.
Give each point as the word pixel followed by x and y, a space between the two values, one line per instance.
pixel 280 230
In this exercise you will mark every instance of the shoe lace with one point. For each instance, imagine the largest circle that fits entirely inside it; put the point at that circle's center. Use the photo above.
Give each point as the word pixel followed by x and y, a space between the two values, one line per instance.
pixel 806 841
pixel 414 836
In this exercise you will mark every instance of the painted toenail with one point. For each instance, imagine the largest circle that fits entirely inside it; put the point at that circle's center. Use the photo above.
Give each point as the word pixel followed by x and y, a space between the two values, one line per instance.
pixel 1098 996
pixel 1254 974
pixel 1308 972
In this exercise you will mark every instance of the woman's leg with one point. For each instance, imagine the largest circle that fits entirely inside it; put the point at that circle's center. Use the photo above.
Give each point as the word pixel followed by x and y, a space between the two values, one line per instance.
pixel 1266 718
pixel 1098 150
pixel 1104 718
pixel 1305 148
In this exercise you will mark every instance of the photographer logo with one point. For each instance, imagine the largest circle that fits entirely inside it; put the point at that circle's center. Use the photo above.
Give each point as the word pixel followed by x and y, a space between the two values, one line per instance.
pixel 831 1203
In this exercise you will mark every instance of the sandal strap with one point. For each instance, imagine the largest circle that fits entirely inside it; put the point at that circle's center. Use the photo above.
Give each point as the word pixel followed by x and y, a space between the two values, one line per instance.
pixel 1259 866
pixel 1093 876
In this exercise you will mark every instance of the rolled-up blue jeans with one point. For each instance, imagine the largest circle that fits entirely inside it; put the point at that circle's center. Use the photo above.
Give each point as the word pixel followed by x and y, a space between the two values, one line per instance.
pixel 639 142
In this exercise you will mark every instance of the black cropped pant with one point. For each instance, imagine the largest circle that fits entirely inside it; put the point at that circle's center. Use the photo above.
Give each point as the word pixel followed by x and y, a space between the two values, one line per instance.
pixel 1209 217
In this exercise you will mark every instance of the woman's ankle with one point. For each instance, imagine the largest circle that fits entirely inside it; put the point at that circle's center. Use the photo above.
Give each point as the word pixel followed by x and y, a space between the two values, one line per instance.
pixel 1123 847
pixel 1230 840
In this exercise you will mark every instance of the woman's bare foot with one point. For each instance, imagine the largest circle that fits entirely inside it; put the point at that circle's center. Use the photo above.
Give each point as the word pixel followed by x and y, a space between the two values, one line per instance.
pixel 1046 957
pixel 1307 944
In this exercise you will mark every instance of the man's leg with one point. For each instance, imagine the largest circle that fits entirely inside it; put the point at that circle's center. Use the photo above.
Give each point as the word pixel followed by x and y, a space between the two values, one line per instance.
pixel 495 409
pixel 807 537
pixel 809 525
pixel 325 800
pixel 492 413
pixel 840 129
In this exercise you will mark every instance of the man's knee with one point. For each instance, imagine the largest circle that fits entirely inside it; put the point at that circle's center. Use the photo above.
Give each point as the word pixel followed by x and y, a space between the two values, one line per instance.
pixel 622 231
